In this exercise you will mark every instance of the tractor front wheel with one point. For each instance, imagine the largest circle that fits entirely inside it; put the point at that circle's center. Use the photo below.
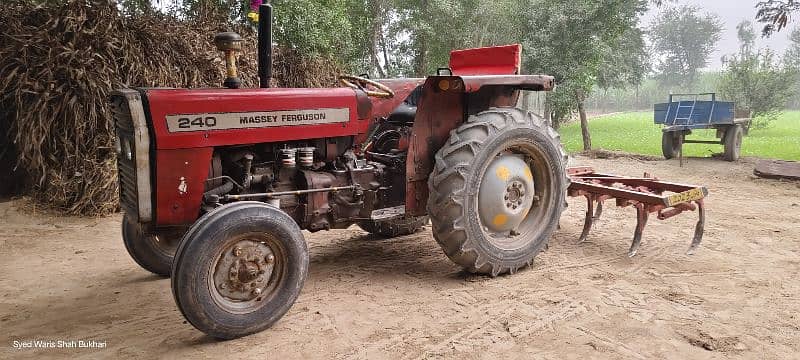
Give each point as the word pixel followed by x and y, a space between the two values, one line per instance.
pixel 239 269
pixel 497 190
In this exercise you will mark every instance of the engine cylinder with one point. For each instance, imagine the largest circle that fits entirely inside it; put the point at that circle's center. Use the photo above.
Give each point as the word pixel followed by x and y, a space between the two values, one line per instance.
pixel 288 157
pixel 306 156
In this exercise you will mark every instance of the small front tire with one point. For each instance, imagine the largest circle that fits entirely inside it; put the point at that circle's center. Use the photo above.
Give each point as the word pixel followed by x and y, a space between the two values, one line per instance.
pixel 153 253
pixel 239 269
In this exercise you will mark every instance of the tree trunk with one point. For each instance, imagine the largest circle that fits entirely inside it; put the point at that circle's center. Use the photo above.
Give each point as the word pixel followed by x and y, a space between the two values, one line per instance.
pixel 587 138
pixel 420 62
pixel 387 65
pixel 548 114
pixel 420 59
pixel 377 10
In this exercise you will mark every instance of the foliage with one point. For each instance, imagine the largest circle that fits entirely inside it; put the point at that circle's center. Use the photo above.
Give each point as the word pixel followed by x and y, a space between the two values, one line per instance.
pixel 792 56
pixel 577 42
pixel 328 28
pixel 636 133
pixel 775 14
pixel 791 59
pixel 683 39
pixel 626 64
pixel 755 80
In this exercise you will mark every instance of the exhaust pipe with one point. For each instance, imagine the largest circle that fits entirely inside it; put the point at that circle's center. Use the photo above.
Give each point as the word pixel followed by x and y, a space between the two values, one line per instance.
pixel 264 44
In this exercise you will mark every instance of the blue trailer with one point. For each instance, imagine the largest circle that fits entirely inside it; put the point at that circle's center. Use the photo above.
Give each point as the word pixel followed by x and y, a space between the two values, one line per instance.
pixel 701 111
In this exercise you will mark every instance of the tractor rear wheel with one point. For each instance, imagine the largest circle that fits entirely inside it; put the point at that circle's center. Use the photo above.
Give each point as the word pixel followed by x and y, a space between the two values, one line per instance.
pixel 395 227
pixel 671 144
pixel 733 142
pixel 497 190
pixel 239 269
pixel 153 253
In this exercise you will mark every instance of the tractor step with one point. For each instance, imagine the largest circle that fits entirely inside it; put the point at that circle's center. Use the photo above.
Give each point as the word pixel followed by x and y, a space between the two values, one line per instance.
pixel 647 194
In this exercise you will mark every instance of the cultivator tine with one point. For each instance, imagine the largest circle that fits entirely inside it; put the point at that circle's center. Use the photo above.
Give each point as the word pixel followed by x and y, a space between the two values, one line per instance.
pixel 599 210
pixel 641 221
pixel 698 229
pixel 587 223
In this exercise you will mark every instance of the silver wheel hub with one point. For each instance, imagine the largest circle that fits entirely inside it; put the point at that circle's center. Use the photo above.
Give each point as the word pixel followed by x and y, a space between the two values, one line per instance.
pixel 506 194
pixel 244 271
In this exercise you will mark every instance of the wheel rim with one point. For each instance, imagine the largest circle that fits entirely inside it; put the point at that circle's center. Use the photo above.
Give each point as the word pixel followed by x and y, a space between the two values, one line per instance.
pixel 515 186
pixel 246 273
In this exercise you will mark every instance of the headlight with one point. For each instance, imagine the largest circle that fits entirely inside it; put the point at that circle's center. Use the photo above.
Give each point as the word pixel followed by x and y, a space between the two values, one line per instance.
pixel 126 147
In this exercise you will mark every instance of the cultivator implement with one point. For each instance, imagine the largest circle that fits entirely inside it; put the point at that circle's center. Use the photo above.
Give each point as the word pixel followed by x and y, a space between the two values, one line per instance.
pixel 647 194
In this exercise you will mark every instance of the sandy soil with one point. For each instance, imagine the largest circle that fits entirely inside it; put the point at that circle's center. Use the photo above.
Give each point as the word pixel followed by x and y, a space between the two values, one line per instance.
pixel 71 279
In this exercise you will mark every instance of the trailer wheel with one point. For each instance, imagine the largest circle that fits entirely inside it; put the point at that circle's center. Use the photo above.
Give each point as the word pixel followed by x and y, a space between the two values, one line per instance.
pixel 733 142
pixel 497 190
pixel 395 227
pixel 670 144
pixel 153 253
pixel 239 269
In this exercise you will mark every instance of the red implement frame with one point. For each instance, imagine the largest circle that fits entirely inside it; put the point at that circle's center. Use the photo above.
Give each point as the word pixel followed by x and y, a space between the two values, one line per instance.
pixel 647 194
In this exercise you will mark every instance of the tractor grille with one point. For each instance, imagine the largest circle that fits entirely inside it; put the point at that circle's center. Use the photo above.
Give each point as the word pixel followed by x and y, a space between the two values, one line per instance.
pixel 126 155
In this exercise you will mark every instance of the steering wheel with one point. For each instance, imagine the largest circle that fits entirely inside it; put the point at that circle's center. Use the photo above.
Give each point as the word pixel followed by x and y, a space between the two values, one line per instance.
pixel 360 83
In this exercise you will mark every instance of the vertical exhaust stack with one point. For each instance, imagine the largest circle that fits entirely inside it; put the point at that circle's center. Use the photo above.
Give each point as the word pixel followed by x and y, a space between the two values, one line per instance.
pixel 264 45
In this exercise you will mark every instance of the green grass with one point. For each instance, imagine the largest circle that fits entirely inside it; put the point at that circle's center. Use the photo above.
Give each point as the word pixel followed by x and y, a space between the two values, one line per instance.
pixel 636 133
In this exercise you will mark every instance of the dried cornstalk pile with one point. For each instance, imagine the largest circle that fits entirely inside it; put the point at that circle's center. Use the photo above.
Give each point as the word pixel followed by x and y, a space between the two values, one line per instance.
pixel 58 65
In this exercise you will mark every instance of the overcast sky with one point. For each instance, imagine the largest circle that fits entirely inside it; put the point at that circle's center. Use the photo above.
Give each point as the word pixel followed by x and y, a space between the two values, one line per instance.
pixel 731 12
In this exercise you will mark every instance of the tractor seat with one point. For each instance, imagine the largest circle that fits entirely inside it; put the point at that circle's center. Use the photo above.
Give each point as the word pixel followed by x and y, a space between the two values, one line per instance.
pixel 403 114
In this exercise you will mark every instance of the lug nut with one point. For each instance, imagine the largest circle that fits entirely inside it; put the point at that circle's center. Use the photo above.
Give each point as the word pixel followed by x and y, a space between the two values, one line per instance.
pixel 270 259
pixel 257 291
pixel 237 251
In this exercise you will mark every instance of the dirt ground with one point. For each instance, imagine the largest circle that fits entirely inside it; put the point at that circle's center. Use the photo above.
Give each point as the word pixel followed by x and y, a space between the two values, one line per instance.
pixel 71 279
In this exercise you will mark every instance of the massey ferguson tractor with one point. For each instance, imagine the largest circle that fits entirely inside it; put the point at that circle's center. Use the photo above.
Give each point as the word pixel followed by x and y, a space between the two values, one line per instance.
pixel 217 184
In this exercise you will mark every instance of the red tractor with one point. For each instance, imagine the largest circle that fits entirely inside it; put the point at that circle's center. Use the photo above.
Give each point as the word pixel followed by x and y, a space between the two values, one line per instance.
pixel 217 184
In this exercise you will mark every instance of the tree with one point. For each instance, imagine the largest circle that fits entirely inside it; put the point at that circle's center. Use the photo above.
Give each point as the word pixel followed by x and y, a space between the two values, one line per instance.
pixel 575 41
pixel 755 80
pixel 775 14
pixel 792 56
pixel 683 39
pixel 625 64
pixel 791 59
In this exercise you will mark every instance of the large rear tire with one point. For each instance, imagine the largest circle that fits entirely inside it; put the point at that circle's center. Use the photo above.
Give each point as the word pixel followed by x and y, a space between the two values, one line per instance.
pixel 153 253
pixel 670 144
pixel 733 142
pixel 239 269
pixel 395 227
pixel 497 190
